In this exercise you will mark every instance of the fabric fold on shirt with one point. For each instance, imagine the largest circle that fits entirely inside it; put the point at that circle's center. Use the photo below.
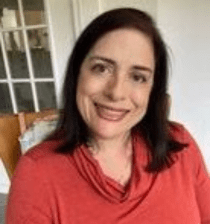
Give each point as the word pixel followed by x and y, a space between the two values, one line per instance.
pixel 108 187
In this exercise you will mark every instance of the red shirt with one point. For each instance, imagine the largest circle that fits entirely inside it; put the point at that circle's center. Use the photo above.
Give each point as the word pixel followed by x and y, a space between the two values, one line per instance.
pixel 50 188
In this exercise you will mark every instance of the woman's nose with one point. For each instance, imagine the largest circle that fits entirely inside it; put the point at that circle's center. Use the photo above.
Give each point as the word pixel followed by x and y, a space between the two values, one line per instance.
pixel 115 89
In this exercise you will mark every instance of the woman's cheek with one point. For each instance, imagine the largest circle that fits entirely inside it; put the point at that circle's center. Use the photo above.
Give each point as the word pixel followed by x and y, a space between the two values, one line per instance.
pixel 92 85
pixel 139 97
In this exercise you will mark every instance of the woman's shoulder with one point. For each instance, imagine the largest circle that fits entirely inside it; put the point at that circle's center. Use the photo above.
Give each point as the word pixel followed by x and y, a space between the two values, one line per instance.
pixel 44 149
pixel 176 131
pixel 191 153
pixel 179 133
pixel 44 159
pixel 44 155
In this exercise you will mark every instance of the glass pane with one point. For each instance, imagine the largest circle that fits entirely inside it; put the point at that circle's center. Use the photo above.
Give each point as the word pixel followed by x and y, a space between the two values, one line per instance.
pixel 16 54
pixel 9 15
pixel 40 53
pixel 5 100
pixel 46 95
pixel 2 68
pixel 34 12
pixel 24 97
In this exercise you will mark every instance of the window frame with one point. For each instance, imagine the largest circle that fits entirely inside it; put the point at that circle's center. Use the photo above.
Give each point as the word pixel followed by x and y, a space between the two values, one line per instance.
pixel 32 79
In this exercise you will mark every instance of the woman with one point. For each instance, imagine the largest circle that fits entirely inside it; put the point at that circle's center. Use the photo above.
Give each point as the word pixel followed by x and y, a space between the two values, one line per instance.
pixel 115 158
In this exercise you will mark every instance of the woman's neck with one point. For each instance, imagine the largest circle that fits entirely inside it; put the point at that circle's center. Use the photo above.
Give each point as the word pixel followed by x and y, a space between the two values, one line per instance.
pixel 114 156
pixel 116 146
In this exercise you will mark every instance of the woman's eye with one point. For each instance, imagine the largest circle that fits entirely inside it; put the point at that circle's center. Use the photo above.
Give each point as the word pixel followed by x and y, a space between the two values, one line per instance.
pixel 99 68
pixel 139 78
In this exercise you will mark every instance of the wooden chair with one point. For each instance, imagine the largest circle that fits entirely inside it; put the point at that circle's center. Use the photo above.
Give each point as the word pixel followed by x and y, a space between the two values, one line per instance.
pixel 10 130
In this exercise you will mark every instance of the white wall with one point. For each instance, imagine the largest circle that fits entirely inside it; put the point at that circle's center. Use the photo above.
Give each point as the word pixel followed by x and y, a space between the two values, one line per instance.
pixel 60 18
pixel 4 179
pixel 91 8
pixel 148 6
pixel 186 29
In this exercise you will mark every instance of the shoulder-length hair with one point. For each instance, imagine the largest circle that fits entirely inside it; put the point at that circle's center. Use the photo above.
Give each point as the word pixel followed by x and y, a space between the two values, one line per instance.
pixel 73 130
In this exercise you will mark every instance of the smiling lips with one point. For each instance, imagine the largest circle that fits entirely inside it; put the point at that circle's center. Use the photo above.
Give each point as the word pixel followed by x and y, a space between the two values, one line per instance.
pixel 109 113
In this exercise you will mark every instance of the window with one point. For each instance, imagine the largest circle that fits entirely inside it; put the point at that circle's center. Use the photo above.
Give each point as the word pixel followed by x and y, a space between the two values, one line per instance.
pixel 26 76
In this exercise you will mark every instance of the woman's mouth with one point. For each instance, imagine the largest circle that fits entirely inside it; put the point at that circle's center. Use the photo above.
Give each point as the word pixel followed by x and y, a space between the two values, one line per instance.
pixel 109 113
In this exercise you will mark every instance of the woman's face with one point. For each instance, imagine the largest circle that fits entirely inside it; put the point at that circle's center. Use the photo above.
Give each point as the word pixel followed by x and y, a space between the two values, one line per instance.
pixel 115 83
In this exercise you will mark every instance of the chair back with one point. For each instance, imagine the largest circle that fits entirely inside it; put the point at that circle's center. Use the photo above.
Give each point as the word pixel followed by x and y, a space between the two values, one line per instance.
pixel 10 130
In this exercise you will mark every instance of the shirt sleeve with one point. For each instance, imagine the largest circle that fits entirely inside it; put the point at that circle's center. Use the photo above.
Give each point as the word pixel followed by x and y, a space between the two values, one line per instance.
pixel 202 181
pixel 28 199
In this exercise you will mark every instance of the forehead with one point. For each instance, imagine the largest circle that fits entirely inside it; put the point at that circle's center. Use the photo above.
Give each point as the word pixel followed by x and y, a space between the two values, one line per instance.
pixel 128 45
pixel 121 34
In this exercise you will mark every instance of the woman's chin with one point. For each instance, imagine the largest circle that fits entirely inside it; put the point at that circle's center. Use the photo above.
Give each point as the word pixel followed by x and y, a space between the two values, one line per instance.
pixel 109 131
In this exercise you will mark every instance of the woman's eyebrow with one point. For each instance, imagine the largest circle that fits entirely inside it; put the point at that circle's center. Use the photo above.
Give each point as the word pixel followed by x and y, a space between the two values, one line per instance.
pixel 137 67
pixel 103 59
pixel 143 68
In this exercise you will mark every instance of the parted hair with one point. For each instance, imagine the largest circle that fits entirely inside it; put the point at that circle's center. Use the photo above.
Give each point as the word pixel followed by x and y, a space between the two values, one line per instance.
pixel 154 126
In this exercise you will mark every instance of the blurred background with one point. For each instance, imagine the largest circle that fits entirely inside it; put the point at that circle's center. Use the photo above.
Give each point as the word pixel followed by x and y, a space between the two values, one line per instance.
pixel 37 36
